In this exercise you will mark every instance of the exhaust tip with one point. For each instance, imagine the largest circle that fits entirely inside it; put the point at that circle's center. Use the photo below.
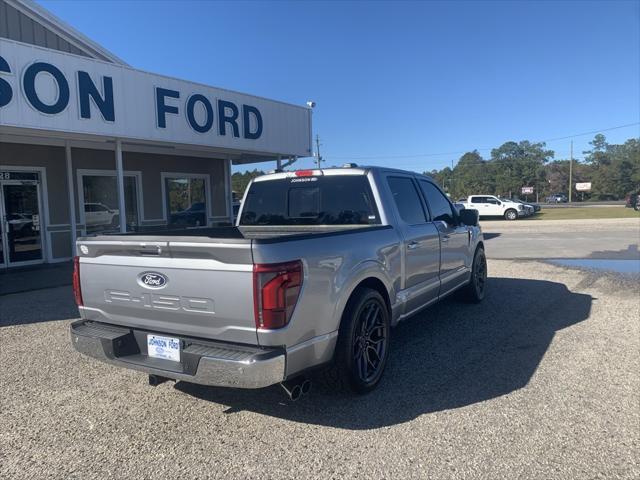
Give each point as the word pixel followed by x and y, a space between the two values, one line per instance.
pixel 305 387
pixel 296 393
pixel 292 389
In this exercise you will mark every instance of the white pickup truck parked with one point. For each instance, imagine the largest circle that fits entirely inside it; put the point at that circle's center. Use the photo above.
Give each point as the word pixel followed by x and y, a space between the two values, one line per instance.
pixel 491 206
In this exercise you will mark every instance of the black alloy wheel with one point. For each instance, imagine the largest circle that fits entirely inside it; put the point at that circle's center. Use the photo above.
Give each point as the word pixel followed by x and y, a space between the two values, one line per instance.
pixel 480 272
pixel 475 290
pixel 363 344
pixel 370 341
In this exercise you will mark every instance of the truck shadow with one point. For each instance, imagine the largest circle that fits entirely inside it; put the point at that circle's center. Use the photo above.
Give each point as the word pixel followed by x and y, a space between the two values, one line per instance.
pixel 449 356
pixel 489 236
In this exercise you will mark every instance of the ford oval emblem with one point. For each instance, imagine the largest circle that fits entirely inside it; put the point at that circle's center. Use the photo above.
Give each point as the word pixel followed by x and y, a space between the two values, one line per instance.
pixel 152 280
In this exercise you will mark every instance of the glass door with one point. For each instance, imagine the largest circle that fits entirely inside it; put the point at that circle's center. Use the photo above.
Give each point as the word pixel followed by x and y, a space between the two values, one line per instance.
pixel 21 223
pixel 3 261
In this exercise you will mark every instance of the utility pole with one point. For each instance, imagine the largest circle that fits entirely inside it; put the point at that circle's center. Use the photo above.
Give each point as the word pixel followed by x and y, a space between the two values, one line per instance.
pixel 451 182
pixel 319 157
pixel 570 170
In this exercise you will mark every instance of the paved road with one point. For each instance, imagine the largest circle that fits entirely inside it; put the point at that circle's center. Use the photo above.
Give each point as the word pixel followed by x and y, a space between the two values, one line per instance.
pixel 616 238
pixel 539 381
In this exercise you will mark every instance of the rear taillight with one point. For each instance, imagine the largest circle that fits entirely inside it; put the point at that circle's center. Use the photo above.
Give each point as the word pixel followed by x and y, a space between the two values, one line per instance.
pixel 77 292
pixel 276 288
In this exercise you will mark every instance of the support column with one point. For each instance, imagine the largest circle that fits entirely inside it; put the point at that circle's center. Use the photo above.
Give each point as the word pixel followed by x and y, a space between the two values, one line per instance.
pixel 279 163
pixel 71 191
pixel 120 181
pixel 229 189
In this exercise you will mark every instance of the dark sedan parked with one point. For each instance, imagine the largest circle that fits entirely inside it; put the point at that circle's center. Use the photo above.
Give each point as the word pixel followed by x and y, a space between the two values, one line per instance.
pixel 194 216
pixel 633 201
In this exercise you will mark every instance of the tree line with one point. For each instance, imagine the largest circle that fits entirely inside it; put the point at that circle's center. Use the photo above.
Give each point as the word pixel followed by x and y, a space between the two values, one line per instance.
pixel 240 180
pixel 612 169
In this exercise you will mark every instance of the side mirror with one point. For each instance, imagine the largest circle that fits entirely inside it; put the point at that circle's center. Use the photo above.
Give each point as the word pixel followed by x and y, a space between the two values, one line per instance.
pixel 469 217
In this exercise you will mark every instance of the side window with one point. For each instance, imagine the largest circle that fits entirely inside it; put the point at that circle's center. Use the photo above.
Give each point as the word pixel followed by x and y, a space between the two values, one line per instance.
pixel 407 200
pixel 438 204
pixel 478 200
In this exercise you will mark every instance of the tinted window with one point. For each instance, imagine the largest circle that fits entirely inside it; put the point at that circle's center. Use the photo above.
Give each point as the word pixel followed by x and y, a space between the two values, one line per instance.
pixel 304 202
pixel 407 200
pixel 438 204
pixel 321 200
pixel 478 200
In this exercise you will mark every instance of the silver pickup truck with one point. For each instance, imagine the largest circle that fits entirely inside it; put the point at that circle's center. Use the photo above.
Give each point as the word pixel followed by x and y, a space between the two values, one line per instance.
pixel 320 265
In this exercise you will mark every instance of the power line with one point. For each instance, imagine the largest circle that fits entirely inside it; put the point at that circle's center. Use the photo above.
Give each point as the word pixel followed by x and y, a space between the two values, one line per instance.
pixel 481 149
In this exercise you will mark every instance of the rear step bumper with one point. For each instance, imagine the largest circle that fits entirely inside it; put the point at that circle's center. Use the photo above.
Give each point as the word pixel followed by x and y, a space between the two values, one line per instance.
pixel 201 361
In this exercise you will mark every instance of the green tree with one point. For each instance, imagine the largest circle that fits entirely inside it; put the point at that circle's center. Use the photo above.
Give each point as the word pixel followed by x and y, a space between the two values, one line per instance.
pixel 240 180
pixel 443 178
pixel 518 165
pixel 472 174
pixel 614 169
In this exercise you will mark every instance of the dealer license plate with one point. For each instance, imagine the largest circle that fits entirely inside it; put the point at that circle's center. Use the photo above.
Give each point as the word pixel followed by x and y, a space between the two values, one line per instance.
pixel 167 348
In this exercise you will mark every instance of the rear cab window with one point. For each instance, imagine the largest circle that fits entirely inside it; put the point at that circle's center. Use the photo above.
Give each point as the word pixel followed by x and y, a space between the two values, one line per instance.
pixel 316 200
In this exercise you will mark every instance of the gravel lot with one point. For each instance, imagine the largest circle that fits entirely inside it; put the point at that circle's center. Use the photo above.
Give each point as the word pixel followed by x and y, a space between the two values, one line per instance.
pixel 540 381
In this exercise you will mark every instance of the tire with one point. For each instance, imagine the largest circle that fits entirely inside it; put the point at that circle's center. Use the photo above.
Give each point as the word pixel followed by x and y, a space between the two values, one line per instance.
pixel 475 290
pixel 115 221
pixel 353 367
pixel 511 214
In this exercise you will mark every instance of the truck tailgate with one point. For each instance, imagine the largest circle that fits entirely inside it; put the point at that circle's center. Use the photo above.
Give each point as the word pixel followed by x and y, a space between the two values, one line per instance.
pixel 185 286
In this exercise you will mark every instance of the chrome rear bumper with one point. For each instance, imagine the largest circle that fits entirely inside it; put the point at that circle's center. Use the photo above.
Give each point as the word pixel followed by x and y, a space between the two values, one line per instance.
pixel 202 362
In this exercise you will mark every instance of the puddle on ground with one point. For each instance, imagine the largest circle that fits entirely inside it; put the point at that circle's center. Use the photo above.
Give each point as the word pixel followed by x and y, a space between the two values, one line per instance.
pixel 627 267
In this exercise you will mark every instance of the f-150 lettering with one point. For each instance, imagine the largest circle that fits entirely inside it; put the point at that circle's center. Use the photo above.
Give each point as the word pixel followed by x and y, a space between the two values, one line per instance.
pixel 164 302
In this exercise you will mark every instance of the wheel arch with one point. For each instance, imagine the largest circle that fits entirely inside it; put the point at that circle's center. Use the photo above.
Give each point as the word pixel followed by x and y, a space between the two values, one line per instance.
pixel 370 275
pixel 376 284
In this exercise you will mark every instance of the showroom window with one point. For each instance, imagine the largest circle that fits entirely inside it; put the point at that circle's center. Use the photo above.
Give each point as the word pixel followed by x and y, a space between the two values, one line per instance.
pixel 100 197
pixel 186 200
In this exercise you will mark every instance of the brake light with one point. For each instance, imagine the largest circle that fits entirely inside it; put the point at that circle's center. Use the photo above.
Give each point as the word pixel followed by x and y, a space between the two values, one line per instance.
pixel 304 173
pixel 276 288
pixel 77 292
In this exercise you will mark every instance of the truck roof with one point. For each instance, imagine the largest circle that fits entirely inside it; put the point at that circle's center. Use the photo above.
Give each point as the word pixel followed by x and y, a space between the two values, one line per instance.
pixel 349 169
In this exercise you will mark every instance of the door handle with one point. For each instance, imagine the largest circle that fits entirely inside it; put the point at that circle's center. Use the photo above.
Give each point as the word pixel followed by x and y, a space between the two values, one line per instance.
pixel 412 245
pixel 445 238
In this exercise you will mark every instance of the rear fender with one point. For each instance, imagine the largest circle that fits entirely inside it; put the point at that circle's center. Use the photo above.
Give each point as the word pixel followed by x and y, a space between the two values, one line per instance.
pixel 357 275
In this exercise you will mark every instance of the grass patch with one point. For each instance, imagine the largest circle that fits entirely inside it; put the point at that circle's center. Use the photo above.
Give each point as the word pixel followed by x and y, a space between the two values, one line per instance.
pixel 584 212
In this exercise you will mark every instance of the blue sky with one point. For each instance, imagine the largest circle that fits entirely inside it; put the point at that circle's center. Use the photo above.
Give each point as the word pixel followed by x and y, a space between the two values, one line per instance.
pixel 395 80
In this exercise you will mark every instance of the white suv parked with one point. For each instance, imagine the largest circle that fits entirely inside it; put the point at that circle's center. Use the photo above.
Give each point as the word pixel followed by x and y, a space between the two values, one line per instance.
pixel 491 206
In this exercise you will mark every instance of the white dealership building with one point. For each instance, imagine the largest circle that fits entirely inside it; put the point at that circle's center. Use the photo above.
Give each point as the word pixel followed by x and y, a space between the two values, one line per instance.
pixel 89 144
